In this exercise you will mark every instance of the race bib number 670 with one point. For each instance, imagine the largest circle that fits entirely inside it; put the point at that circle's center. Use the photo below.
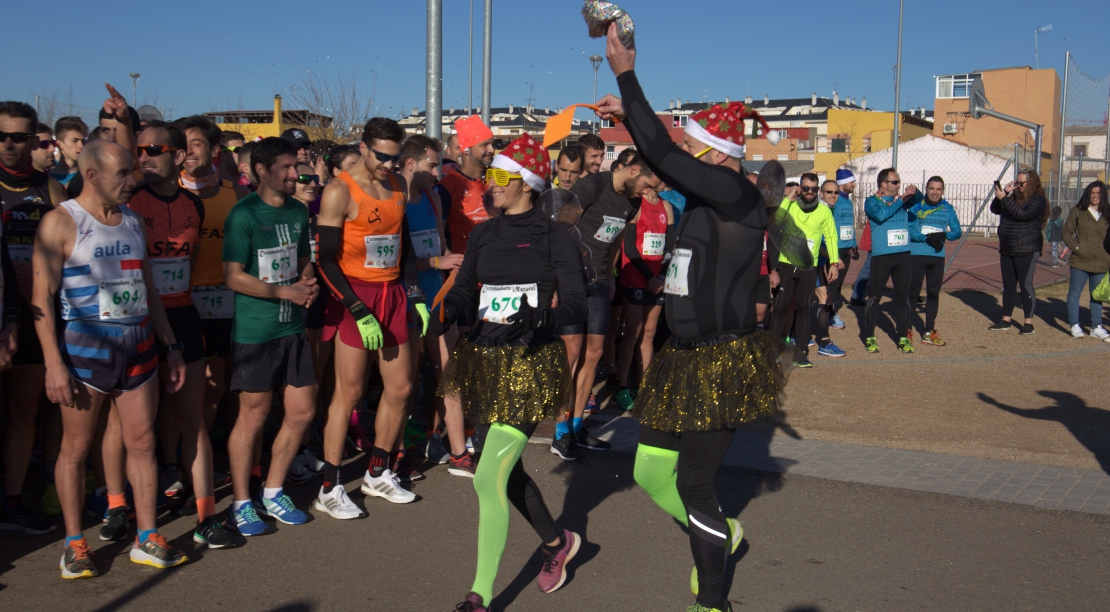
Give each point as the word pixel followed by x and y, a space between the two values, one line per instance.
pixel 498 302
pixel 678 272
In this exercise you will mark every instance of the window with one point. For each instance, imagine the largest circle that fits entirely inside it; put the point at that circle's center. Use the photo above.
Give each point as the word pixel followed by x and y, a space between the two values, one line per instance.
pixel 606 123
pixel 1079 150
pixel 784 157
pixel 783 134
pixel 757 158
pixel 839 145
pixel 610 152
pixel 680 121
pixel 955 86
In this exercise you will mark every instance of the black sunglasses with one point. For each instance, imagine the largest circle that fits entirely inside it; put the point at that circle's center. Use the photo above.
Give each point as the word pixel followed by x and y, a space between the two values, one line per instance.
pixel 304 146
pixel 305 179
pixel 893 182
pixel 809 189
pixel 45 143
pixel 154 150
pixel 384 157
pixel 17 137
pixel 829 192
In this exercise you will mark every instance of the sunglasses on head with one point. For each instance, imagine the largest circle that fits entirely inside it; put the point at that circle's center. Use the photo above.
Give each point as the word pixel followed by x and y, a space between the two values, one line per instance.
pixel 305 179
pixel 385 157
pixel 231 149
pixel 500 177
pixel 154 150
pixel 17 137
pixel 809 189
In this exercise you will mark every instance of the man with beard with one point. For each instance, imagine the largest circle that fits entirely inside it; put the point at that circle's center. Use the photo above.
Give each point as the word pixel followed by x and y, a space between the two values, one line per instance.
pixel 933 221
pixel 463 191
pixel 593 152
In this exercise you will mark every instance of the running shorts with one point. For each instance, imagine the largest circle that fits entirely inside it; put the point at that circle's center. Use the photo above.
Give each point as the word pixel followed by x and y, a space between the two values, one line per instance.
pixel 110 357
pixel 386 301
pixel 314 314
pixel 763 290
pixel 186 325
pixel 597 318
pixel 30 351
pixel 269 366
pixel 217 337
pixel 642 297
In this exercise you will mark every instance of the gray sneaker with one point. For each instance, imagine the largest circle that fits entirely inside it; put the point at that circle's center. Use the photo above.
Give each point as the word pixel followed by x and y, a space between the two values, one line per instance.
pixel 566 448
pixel 435 451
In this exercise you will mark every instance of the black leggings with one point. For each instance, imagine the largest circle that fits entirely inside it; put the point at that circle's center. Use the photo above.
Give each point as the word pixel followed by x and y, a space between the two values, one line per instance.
pixel 526 497
pixel 1017 272
pixel 930 269
pixel 828 309
pixel 895 266
pixel 798 285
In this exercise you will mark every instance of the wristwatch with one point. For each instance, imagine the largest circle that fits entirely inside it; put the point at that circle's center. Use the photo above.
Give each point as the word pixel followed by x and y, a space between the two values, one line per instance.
pixel 176 346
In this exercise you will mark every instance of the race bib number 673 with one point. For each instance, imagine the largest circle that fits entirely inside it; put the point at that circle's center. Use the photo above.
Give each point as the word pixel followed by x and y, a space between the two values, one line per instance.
pixel 278 264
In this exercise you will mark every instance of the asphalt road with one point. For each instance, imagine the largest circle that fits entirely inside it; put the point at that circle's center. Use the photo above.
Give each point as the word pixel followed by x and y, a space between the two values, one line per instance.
pixel 810 545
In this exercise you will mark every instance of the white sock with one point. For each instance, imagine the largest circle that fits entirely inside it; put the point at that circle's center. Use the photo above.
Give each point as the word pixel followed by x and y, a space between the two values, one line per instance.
pixel 271 493
pixel 236 505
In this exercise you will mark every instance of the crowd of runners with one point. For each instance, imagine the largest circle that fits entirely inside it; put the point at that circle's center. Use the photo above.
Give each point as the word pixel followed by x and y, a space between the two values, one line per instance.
pixel 175 295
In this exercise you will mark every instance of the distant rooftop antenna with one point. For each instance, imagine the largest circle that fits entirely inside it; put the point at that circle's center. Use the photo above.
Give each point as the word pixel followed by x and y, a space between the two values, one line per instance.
pixel 1036 42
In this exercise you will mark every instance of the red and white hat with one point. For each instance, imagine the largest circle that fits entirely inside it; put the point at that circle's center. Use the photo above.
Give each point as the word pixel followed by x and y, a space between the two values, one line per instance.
pixel 722 127
pixel 528 158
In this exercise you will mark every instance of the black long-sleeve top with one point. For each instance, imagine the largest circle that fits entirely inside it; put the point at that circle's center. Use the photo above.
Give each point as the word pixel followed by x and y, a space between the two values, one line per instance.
pixel 1020 225
pixel 722 225
pixel 519 250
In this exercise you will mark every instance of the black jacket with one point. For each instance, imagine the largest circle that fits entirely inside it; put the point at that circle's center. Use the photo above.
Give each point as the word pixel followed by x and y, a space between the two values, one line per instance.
pixel 1020 229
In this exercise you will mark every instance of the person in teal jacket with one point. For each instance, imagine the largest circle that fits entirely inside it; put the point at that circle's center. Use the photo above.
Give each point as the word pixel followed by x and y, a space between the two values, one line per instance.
pixel 933 221
pixel 890 256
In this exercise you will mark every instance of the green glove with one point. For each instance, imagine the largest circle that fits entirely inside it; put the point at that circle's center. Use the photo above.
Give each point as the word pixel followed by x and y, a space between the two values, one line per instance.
pixel 422 310
pixel 369 329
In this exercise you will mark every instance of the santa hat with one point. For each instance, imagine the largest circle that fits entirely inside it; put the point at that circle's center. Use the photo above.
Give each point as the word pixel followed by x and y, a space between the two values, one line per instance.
pixel 722 127
pixel 528 158
pixel 844 176
pixel 471 131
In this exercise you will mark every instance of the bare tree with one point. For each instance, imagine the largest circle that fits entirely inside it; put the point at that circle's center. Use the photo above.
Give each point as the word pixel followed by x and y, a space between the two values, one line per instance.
pixel 335 95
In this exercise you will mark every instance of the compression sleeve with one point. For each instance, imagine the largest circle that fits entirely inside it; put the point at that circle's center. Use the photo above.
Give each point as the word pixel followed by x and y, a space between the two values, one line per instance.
pixel 408 263
pixel 328 239
pixel 567 264
pixel 727 192
pixel 632 250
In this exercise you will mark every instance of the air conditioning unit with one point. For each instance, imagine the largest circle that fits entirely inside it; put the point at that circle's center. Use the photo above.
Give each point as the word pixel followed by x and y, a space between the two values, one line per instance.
pixel 951 128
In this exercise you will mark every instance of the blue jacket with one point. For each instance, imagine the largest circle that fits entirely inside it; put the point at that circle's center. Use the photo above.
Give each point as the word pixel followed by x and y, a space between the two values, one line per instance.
pixel 890 224
pixel 926 219
pixel 845 216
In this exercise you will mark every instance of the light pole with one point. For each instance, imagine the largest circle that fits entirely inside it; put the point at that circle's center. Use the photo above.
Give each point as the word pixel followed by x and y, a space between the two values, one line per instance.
pixel 134 88
pixel 1037 44
pixel 897 88
pixel 487 60
pixel 433 106
pixel 595 61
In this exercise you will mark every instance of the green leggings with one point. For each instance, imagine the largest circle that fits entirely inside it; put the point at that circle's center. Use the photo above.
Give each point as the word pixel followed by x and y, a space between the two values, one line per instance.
pixel 499 480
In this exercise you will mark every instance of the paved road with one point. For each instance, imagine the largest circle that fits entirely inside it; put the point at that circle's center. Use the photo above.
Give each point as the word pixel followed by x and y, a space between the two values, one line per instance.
pixel 810 545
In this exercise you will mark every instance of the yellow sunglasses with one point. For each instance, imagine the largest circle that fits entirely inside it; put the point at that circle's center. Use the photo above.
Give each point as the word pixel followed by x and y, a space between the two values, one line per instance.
pixel 500 177
pixel 698 155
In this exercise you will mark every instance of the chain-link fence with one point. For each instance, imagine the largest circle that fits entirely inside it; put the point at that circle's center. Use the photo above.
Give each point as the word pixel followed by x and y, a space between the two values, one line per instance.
pixel 1084 157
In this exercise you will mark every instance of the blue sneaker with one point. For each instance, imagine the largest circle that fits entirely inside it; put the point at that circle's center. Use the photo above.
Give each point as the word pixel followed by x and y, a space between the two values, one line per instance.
pixel 282 509
pixel 836 323
pixel 831 350
pixel 246 520
pixel 812 342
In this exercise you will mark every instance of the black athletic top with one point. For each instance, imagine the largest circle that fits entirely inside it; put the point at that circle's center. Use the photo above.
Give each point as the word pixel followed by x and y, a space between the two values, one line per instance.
pixel 514 250
pixel 722 226
pixel 604 213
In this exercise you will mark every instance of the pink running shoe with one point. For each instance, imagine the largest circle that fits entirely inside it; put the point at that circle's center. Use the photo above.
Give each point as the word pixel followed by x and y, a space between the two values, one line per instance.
pixel 554 572
pixel 357 435
pixel 473 603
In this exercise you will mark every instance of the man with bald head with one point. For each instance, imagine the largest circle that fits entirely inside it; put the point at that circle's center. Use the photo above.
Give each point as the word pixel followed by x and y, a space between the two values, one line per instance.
pixel 90 255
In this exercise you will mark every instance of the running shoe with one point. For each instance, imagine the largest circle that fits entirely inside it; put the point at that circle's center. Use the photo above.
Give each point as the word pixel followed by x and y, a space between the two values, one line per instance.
pixel 905 345
pixel 586 440
pixel 836 322
pixel 220 478
pixel 406 472
pixel 624 399
pixel 592 406
pixel 554 571
pixel 157 552
pixel 831 350
pixel 700 608
pixel 22 518
pixel 96 505
pixel 473 603
pixel 116 525
pixel 463 466
pixel 1077 331
pixel 566 448
pixel 1001 326
pixel 435 451
pixel 1026 330
pixel 282 509
pixel 804 362
pixel 246 520
pixel 212 533
pixel 298 473
pixel 735 535
pixel 310 461
pixel 51 505
pixel 337 504
pixel 812 343
pixel 387 487
pixel 474 442
pixel 871 345
pixel 77 561
pixel 169 481
pixel 1100 333
pixel 933 338
pixel 189 506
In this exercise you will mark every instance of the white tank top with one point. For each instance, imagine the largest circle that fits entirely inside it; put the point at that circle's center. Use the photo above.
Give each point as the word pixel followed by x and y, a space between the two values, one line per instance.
pixel 103 277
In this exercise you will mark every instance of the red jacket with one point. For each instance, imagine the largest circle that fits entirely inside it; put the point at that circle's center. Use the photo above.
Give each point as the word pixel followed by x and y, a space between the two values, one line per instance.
pixel 865 239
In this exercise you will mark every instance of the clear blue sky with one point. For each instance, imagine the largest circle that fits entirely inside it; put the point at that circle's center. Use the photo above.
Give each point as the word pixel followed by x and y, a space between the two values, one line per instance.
pixel 246 52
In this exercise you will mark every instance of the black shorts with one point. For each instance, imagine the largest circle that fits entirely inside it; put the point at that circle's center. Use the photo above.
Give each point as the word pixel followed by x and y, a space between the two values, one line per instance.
pixel 30 351
pixel 217 337
pixel 185 323
pixel 313 316
pixel 597 318
pixel 268 366
pixel 642 297
pixel 763 290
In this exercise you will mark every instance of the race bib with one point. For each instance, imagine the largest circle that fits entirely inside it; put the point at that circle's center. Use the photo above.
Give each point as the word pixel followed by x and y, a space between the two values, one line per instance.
pixel 929 229
pixel 21 253
pixel 278 264
pixel 610 227
pixel 215 302
pixel 498 302
pixel 847 232
pixel 122 298
pixel 171 274
pixel 382 251
pixel 653 244
pixel 313 251
pixel 426 243
pixel 677 272
pixel 897 237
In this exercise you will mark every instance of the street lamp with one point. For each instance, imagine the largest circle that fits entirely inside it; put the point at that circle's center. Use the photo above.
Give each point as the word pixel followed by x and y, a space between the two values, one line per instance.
pixel 134 87
pixel 595 60
pixel 1037 43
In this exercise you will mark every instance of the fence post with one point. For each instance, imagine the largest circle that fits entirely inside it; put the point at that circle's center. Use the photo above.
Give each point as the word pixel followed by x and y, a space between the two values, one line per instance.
pixel 986 201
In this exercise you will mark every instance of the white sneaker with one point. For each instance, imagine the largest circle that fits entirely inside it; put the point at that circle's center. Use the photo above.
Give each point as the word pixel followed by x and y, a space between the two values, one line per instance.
pixel 1099 333
pixel 170 481
pixel 310 461
pixel 388 486
pixel 1077 331
pixel 337 504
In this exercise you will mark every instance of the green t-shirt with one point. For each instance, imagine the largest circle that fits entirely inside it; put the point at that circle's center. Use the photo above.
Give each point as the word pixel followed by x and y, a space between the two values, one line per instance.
pixel 267 241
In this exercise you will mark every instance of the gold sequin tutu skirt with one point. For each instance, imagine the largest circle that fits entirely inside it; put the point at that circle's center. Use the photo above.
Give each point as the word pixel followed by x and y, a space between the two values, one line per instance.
pixel 719 386
pixel 508 384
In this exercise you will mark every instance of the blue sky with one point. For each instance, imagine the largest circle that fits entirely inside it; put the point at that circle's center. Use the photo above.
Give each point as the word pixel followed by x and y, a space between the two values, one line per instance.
pixel 246 52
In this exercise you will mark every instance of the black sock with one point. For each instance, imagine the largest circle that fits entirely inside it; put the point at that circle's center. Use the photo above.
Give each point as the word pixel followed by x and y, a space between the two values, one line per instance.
pixel 331 476
pixel 13 500
pixel 551 550
pixel 459 456
pixel 379 462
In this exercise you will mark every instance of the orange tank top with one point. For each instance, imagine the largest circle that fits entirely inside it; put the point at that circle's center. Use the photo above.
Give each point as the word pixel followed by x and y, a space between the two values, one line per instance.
pixel 466 209
pixel 210 267
pixel 371 248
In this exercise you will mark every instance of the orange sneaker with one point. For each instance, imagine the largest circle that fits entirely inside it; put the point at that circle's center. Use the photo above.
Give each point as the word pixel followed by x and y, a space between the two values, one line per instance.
pixel 933 338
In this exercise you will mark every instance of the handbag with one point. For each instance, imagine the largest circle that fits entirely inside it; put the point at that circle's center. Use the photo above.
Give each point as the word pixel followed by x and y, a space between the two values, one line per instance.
pixel 1102 291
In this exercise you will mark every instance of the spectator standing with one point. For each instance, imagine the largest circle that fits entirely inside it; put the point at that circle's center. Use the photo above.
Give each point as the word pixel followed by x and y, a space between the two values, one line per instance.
pixel 1023 209
pixel 1054 234
pixel 1085 233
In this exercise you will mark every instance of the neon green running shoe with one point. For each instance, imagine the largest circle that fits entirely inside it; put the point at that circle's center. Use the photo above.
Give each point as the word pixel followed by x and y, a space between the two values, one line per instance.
pixel 871 344
pixel 905 345
pixel 700 608
pixel 736 534
pixel 624 399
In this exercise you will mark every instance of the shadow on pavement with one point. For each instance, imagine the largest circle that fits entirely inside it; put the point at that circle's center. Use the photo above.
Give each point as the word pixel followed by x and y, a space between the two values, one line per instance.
pixel 1090 425
pixel 986 304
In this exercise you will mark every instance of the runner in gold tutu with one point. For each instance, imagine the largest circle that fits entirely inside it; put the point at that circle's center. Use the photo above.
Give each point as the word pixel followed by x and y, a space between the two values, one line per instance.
pixel 511 371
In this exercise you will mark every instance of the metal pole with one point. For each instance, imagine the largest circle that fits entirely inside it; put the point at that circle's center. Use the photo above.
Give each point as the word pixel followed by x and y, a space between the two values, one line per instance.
pixel 979 213
pixel 1063 126
pixel 593 120
pixel 470 77
pixel 433 109
pixel 487 61
pixel 897 86
pixel 1037 133
pixel 1079 177
pixel 1106 149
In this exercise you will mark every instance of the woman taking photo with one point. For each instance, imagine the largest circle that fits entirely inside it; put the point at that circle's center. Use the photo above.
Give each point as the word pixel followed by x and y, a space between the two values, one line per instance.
pixel 1023 209
pixel 511 371
pixel 1085 232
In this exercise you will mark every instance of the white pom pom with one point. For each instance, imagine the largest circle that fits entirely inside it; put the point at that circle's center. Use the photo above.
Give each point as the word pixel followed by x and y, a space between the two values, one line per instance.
pixel 773 138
